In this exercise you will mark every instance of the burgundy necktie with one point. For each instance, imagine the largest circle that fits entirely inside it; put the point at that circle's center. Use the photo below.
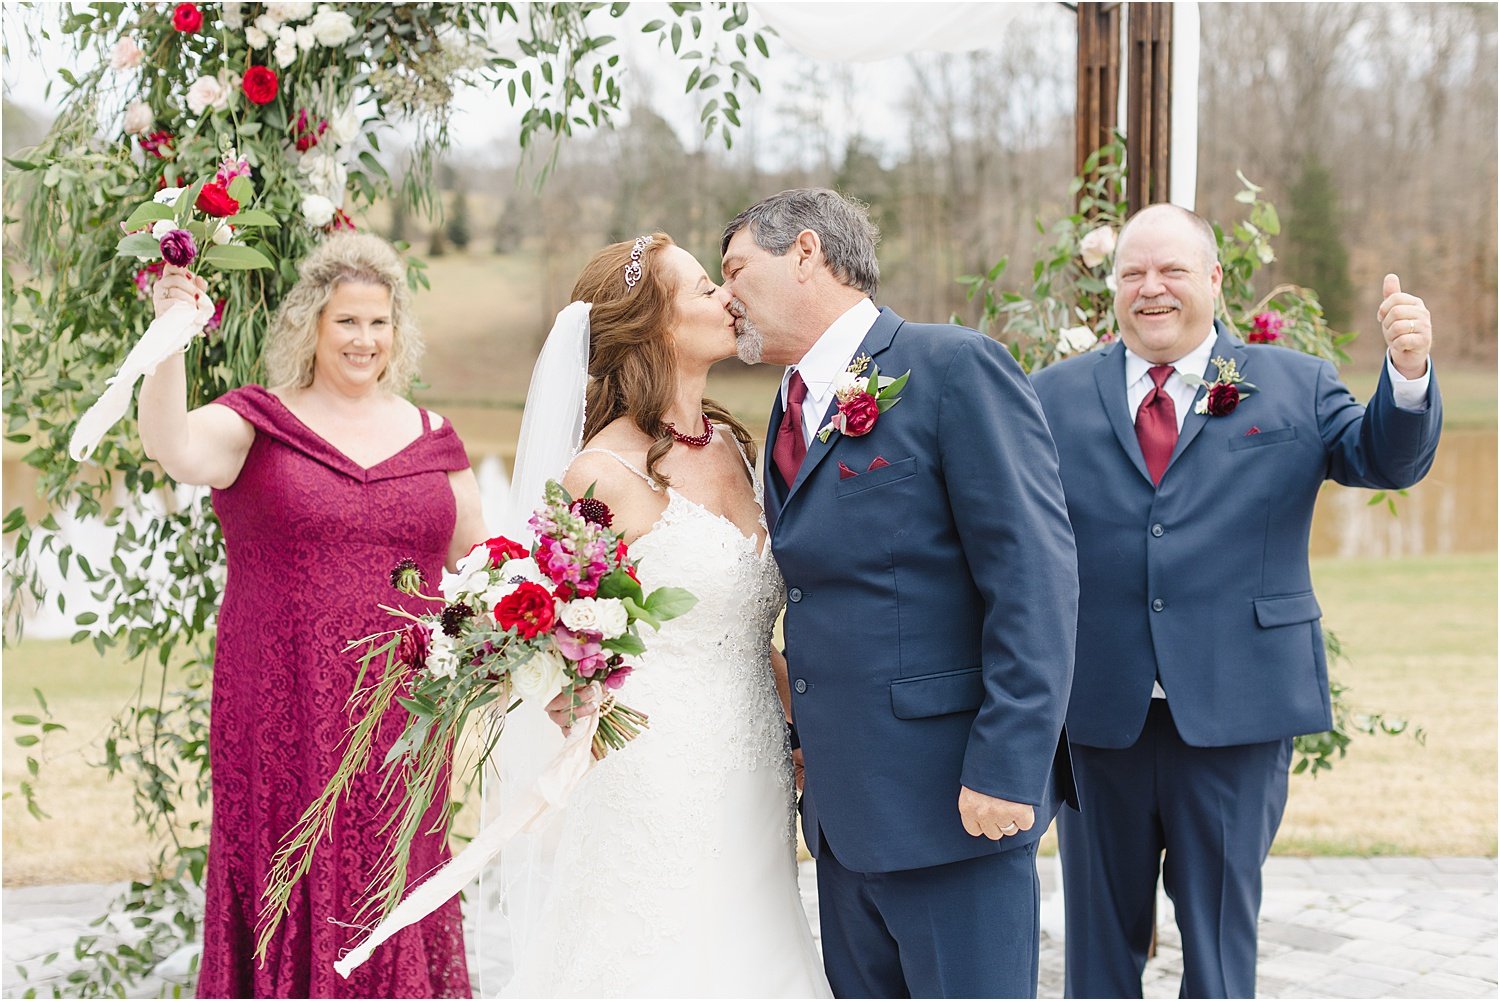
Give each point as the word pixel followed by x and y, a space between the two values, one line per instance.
pixel 1156 424
pixel 791 448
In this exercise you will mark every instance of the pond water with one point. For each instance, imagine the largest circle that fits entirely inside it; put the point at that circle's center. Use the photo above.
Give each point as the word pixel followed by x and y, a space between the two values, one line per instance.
pixel 1453 510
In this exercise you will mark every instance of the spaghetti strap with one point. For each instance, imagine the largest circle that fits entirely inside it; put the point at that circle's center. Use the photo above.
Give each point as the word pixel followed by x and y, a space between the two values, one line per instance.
pixel 426 423
pixel 743 457
pixel 621 460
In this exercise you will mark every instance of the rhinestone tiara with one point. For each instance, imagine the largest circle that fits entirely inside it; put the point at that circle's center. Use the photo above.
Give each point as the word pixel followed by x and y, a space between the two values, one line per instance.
pixel 633 269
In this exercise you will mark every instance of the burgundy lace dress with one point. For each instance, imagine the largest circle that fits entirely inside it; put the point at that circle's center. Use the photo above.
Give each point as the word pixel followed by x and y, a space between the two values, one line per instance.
pixel 311 539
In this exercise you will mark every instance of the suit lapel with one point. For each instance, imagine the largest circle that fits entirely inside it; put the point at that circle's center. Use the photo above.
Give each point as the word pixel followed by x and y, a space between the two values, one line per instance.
pixel 1224 346
pixel 882 332
pixel 1109 377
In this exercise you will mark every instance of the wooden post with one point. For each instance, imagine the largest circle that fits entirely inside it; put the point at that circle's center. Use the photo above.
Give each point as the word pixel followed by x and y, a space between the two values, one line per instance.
pixel 1148 129
pixel 1096 118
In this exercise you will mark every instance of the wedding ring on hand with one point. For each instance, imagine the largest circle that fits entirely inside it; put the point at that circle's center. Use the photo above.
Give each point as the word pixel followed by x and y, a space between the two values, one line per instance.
pixel 1411 326
pixel 1010 828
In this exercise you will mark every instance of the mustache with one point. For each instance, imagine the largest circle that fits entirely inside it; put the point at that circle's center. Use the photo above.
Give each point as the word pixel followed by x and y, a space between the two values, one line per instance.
pixel 736 309
pixel 1157 303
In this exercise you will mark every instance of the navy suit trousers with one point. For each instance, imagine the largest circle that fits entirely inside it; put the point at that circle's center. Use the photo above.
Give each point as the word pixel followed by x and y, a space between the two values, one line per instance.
pixel 963 930
pixel 1213 813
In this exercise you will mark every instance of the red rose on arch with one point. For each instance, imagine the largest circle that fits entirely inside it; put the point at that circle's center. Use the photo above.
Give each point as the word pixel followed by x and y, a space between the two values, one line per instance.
pixel 860 413
pixel 1222 399
pixel 187 18
pixel 260 84
pixel 214 200
pixel 528 610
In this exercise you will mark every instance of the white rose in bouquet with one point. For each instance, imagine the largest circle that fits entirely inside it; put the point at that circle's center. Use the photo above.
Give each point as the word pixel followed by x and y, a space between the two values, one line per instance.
pixel 605 616
pixel 138 118
pixel 540 678
pixel 318 211
pixel 442 655
pixel 332 27
pixel 513 573
pixel 471 575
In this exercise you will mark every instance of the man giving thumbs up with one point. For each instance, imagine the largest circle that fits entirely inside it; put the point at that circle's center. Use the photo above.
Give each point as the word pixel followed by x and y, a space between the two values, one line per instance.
pixel 1199 650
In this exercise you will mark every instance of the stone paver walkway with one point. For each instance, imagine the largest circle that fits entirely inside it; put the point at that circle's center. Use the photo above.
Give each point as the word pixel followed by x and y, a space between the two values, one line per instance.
pixel 1329 928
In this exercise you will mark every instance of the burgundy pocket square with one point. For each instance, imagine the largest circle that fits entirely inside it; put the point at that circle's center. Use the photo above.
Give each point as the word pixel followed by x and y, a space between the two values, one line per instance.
pixel 845 472
pixel 877 463
pixel 1253 430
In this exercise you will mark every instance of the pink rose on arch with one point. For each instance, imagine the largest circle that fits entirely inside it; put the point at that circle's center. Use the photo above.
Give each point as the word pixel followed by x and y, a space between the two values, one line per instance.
pixel 859 415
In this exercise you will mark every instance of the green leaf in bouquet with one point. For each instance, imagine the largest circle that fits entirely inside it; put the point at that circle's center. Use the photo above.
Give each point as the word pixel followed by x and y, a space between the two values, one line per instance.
pixel 252 217
pixel 146 213
pixel 231 257
pixel 669 602
pixel 140 245
pixel 626 644
pixel 242 189
pixel 182 209
pixel 638 611
pixel 620 584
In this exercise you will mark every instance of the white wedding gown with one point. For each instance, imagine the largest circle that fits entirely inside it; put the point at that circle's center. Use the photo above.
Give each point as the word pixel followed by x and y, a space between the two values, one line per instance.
pixel 675 871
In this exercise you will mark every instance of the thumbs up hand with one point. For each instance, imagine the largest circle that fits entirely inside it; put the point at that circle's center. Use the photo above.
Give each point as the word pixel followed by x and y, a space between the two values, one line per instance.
pixel 1407 327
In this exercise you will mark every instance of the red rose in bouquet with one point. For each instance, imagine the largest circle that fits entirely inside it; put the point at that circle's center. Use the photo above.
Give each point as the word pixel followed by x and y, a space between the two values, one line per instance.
pixel 502 549
pixel 260 84
pixel 214 200
pixel 187 18
pixel 529 610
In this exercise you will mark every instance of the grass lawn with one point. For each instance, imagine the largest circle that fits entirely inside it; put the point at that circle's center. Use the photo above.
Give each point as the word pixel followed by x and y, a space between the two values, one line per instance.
pixel 1420 635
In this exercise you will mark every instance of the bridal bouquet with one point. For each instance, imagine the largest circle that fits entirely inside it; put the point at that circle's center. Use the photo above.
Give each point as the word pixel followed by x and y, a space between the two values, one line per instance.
pixel 203 222
pixel 509 626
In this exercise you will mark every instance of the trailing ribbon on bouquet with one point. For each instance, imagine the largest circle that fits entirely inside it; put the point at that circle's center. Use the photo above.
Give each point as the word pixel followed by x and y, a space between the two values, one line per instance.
pixel 548 794
pixel 167 335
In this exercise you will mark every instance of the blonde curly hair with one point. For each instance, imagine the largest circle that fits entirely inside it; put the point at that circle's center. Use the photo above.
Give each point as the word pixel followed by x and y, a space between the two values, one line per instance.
pixel 292 343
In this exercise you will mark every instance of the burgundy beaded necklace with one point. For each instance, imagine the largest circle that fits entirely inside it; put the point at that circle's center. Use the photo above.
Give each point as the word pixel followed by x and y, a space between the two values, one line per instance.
pixel 695 440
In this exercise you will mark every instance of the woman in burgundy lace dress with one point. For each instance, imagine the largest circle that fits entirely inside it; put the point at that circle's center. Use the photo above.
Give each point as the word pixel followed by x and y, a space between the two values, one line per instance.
pixel 321 484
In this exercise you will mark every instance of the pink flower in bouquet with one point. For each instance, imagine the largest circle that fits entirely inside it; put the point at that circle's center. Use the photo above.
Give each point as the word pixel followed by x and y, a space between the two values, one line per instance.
pixel 557 560
pixel 859 415
pixel 617 677
pixel 583 648
pixel 178 248
pixel 1266 327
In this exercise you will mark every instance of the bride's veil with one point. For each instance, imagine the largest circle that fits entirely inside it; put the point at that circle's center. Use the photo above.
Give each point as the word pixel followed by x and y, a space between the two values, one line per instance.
pixel 511 893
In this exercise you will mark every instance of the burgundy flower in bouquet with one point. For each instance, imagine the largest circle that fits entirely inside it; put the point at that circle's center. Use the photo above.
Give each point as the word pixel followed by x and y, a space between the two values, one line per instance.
pixel 178 248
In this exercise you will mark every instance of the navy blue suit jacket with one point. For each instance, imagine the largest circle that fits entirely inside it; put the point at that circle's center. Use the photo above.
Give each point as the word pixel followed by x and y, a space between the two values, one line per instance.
pixel 931 606
pixel 1205 578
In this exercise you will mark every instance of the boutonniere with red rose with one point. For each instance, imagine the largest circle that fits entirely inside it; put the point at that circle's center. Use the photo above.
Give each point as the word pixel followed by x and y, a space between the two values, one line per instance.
pixel 1225 392
pixel 862 398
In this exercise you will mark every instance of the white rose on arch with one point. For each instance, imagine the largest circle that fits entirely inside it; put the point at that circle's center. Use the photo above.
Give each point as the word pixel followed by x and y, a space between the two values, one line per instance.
pixel 206 92
pixel 344 127
pixel 541 677
pixel 324 174
pixel 255 38
pixel 1096 245
pixel 138 118
pixel 1072 340
pixel 318 211
pixel 126 55
pixel 332 27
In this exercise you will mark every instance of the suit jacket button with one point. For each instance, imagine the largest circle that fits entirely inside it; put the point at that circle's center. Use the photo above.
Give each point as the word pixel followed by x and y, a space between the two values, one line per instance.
pixel 1157 530
pixel 795 594
pixel 1158 605
pixel 800 686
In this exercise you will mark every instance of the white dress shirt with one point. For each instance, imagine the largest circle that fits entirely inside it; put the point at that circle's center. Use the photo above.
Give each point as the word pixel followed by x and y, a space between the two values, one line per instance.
pixel 1410 394
pixel 829 355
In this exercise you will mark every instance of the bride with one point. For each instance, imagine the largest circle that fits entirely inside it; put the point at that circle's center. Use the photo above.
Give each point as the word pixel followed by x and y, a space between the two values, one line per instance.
pixel 674 871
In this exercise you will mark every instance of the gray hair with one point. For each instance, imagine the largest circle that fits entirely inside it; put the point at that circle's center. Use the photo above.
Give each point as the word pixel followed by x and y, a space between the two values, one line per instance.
pixel 292 341
pixel 842 223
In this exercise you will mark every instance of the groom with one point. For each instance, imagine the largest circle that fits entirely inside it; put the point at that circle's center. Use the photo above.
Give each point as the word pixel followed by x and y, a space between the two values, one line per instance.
pixel 931 608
